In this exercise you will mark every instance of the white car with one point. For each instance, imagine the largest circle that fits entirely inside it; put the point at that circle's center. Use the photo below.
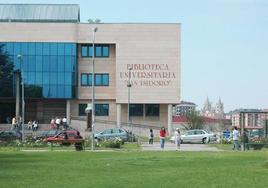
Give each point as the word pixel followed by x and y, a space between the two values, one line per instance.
pixel 196 136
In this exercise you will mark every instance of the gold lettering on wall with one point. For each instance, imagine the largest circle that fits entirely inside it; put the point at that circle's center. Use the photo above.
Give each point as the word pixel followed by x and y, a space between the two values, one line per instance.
pixel 148 75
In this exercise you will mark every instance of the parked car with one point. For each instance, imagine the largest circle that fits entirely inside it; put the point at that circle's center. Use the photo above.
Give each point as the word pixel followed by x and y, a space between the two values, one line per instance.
pixel 196 136
pixel 46 134
pixel 66 138
pixel 10 135
pixel 115 133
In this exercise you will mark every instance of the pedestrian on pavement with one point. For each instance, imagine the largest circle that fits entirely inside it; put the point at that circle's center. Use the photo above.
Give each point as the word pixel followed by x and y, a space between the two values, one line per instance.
pixel 245 140
pixel 235 138
pixel 14 123
pixel 162 136
pixel 58 120
pixel 151 137
pixel 64 122
pixel 177 138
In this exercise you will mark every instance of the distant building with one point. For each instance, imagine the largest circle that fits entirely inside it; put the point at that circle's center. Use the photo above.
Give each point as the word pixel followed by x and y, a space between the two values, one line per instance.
pixel 214 112
pixel 252 118
pixel 183 108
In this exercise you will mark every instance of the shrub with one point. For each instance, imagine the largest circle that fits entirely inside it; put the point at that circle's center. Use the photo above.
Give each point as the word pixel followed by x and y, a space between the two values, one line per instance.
pixel 111 143
pixel 225 141
pixel 258 142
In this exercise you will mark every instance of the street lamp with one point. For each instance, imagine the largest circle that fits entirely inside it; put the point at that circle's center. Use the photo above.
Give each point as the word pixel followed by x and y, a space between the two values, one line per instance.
pixel 20 57
pixel 94 30
pixel 128 102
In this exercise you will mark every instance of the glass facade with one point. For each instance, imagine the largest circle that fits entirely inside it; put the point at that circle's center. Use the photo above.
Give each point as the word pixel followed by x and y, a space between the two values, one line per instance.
pixel 49 69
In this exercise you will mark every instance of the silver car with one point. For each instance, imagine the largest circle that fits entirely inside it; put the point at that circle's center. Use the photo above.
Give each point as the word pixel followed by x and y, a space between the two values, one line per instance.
pixel 197 136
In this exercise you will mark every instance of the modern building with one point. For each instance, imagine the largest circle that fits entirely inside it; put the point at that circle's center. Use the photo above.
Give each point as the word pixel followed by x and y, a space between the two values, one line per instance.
pixel 250 118
pixel 183 108
pixel 55 57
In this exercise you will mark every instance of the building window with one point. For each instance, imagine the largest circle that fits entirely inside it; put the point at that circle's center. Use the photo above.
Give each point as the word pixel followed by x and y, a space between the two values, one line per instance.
pixel 152 109
pixel 81 110
pixel 136 109
pixel 84 51
pixel 84 79
pixel 100 79
pixel 101 50
pixel 102 109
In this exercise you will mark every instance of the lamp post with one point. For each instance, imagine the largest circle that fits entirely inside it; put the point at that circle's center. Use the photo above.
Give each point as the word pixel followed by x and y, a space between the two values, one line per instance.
pixel 20 57
pixel 94 30
pixel 128 102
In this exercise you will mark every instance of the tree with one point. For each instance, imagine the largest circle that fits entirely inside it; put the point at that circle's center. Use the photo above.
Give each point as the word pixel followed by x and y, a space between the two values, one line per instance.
pixel 194 121
pixel 6 74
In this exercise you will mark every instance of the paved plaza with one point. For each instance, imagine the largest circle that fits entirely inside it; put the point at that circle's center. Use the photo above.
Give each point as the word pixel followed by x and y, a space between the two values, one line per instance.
pixel 184 147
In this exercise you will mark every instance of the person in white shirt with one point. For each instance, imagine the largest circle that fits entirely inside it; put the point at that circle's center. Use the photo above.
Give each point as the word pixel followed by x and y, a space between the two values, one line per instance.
pixel 177 138
pixel 58 120
pixel 235 138
pixel 64 122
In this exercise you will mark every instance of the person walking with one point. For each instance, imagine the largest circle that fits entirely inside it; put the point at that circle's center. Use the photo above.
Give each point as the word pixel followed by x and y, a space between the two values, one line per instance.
pixel 245 140
pixel 58 120
pixel 177 138
pixel 151 137
pixel 162 136
pixel 235 139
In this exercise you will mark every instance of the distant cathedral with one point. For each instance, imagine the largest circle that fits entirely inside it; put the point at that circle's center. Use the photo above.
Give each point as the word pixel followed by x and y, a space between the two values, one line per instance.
pixel 215 112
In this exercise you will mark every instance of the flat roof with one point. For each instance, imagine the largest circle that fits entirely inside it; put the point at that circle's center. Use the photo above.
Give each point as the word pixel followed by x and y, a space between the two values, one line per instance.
pixel 40 13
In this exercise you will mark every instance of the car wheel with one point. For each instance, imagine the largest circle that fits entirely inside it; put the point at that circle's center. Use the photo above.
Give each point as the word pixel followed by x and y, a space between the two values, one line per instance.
pixel 205 140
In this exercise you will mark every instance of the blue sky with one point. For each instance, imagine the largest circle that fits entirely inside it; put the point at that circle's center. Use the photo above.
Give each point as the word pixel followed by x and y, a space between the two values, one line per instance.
pixel 224 43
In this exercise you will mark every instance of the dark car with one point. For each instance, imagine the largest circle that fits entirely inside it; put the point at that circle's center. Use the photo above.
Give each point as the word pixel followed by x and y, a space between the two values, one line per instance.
pixel 115 133
pixel 10 135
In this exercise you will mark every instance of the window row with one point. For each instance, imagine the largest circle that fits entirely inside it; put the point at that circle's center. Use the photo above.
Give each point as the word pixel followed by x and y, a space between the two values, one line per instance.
pixel 52 78
pixel 100 79
pixel 100 50
pixel 39 48
pixel 135 109
pixel 139 109
pixel 45 63
pixel 100 109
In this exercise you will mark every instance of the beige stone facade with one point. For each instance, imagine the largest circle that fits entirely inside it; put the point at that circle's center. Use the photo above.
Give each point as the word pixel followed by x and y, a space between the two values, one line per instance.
pixel 151 50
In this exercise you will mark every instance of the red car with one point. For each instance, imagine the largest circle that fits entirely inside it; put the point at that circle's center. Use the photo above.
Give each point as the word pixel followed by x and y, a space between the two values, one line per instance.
pixel 66 137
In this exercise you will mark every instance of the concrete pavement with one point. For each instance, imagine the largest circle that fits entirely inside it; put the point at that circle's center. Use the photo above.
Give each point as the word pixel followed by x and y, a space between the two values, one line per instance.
pixel 171 147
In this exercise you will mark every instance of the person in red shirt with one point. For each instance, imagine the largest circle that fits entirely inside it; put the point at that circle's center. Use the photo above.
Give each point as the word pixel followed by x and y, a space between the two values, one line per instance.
pixel 162 135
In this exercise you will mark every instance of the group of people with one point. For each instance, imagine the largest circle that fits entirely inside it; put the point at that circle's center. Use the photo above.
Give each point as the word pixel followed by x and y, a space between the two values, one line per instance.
pixel 244 138
pixel 58 123
pixel 16 124
pixel 163 135
pixel 32 125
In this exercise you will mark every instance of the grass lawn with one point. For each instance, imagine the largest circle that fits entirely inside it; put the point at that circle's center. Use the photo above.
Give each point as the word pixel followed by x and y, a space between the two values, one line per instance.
pixel 118 169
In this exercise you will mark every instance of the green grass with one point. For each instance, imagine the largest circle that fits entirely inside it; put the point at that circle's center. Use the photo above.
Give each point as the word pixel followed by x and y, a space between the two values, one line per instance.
pixel 71 169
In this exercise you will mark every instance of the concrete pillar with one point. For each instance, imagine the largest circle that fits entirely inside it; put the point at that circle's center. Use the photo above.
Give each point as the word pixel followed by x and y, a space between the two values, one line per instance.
pixel 68 111
pixel 170 126
pixel 118 115
pixel 17 95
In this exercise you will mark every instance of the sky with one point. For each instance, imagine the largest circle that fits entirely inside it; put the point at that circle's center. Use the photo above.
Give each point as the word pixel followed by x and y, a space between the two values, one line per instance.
pixel 223 43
